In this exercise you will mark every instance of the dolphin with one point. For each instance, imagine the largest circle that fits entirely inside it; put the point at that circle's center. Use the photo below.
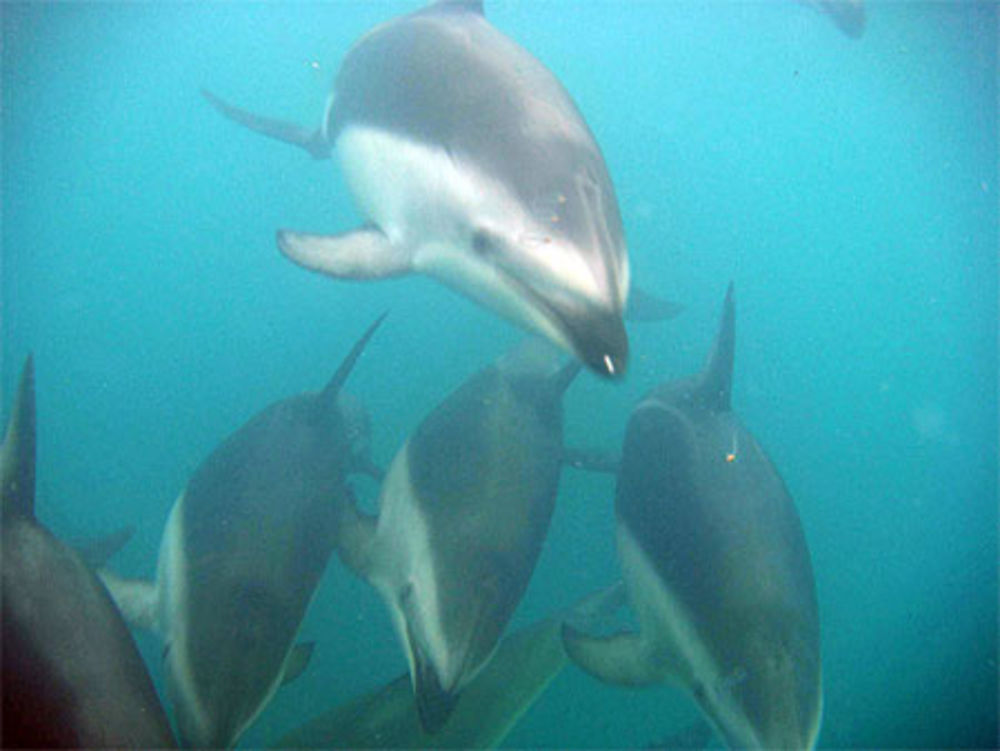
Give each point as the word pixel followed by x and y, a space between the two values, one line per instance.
pixel 72 676
pixel 471 164
pixel 463 512
pixel 717 567
pixel 243 550
pixel 524 665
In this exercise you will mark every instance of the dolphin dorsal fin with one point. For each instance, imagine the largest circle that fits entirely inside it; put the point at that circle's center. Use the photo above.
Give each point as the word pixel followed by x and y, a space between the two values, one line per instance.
pixel 715 385
pixel 17 456
pixel 468 6
pixel 332 389
pixel 562 378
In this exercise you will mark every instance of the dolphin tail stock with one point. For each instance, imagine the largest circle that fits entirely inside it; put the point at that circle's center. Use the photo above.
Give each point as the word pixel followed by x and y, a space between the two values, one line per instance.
pixel 716 381
pixel 622 659
pixel 312 141
pixel 333 386
pixel 17 456
pixel 592 460
pixel 645 307
pixel 363 253
pixel 136 599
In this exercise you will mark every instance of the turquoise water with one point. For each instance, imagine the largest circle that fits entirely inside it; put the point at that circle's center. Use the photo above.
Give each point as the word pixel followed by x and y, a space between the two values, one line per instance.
pixel 848 187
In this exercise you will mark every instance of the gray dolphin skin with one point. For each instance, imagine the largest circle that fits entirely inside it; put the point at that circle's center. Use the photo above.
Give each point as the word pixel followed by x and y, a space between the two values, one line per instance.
pixel 524 664
pixel 471 164
pixel 72 676
pixel 715 559
pixel 463 512
pixel 242 553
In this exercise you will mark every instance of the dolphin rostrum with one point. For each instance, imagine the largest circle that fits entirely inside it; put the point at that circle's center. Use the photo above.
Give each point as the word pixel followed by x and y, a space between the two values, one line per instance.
pixel 471 164
pixel 72 676
pixel 463 511
pixel 242 553
pixel 715 559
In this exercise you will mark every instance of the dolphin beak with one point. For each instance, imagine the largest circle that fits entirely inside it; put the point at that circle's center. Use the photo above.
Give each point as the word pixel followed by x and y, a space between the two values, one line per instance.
pixel 596 335
pixel 598 338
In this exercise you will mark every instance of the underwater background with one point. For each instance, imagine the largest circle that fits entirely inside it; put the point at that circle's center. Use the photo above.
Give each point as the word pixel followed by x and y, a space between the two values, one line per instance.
pixel 848 187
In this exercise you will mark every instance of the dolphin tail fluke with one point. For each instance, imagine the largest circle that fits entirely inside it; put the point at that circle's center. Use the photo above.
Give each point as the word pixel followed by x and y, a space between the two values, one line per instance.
pixel 332 388
pixel 364 253
pixel 716 386
pixel 17 456
pixel 297 661
pixel 621 659
pixel 644 306
pixel 312 141
pixel 136 599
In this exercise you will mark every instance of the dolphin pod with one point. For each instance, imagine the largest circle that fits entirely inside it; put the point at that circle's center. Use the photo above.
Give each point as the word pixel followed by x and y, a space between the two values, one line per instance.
pixel 717 567
pixel 71 675
pixel 471 164
pixel 242 553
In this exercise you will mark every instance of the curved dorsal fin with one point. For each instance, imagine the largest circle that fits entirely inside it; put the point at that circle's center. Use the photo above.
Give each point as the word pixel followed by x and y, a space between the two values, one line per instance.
pixel 17 457
pixel 332 389
pixel 715 384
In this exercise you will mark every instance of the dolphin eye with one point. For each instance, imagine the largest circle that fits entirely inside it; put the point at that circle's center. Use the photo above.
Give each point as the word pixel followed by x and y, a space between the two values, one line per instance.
pixel 482 243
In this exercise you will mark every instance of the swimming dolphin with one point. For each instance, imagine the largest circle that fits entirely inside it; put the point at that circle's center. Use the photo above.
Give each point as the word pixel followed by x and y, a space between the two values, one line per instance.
pixel 72 676
pixel 716 564
pixel 463 512
pixel 525 663
pixel 242 553
pixel 472 164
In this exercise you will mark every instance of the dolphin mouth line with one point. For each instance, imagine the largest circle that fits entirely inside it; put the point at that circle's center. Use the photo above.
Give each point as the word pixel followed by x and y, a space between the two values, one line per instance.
pixel 555 316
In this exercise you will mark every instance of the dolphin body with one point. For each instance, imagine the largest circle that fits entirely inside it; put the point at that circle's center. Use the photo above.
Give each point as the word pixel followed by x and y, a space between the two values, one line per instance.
pixel 72 676
pixel 243 550
pixel 463 512
pixel 715 559
pixel 524 665
pixel 473 165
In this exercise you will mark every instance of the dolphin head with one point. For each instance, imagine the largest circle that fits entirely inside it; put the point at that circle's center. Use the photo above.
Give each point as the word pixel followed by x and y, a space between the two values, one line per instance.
pixel 554 260
pixel 221 676
pixel 447 652
pixel 771 696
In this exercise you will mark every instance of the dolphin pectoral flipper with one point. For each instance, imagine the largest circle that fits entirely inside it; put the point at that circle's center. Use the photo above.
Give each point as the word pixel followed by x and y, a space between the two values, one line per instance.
pixel 621 659
pixel 297 661
pixel 313 141
pixel 355 536
pixel 364 253
pixel 136 599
